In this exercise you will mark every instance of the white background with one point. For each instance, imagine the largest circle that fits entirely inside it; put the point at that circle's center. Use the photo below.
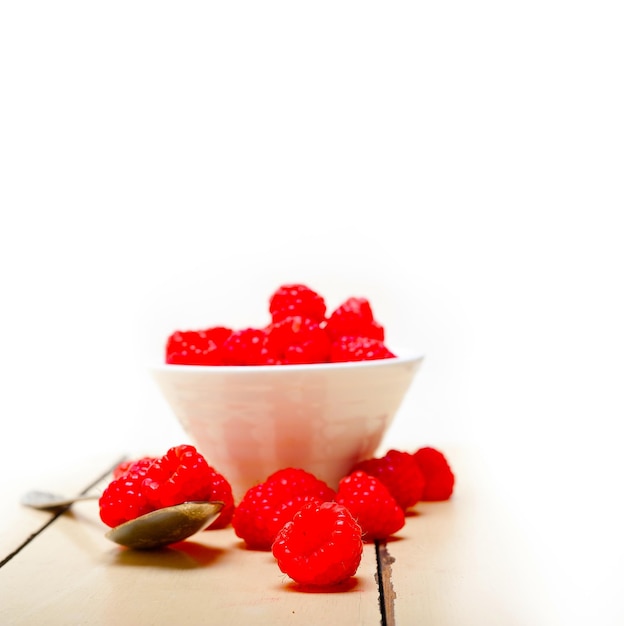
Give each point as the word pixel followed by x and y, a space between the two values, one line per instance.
pixel 167 165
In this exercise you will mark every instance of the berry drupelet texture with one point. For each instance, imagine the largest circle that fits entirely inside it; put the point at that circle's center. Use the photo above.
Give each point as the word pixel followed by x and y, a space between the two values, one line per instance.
pixel 148 484
pixel 266 507
pixel 321 546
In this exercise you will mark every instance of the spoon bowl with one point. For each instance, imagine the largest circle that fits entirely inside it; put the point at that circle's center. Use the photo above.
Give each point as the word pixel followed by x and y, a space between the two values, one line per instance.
pixel 165 526
pixel 152 530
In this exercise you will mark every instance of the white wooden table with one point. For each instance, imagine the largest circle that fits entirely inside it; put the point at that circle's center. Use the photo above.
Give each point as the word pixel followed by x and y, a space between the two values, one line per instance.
pixel 457 562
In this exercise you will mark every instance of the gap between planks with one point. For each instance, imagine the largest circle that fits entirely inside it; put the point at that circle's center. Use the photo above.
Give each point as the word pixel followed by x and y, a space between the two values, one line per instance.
pixel 383 577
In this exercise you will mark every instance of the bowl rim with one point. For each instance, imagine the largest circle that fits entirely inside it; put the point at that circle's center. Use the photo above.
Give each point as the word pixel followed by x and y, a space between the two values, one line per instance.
pixel 403 357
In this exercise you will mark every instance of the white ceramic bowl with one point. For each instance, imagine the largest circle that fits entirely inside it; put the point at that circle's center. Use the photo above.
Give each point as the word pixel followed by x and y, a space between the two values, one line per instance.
pixel 249 421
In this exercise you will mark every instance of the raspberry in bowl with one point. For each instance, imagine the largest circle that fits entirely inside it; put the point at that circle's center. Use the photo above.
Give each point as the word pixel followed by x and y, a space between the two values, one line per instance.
pixel 312 389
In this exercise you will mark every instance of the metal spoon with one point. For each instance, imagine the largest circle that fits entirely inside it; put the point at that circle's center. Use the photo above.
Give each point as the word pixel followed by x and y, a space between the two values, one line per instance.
pixel 44 501
pixel 164 526
pixel 152 530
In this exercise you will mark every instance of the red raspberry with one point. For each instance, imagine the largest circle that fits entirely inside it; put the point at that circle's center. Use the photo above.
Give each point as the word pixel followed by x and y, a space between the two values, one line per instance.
pixel 321 546
pixel 399 472
pixel 182 474
pixel 124 498
pixel 354 318
pixel 266 507
pixel 221 491
pixel 296 299
pixel 247 347
pixel 197 347
pixel 371 504
pixel 439 478
pixel 359 349
pixel 126 466
pixel 298 340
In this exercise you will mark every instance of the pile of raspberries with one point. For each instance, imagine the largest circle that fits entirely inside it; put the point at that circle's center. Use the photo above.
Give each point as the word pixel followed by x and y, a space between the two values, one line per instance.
pixel 315 533
pixel 299 332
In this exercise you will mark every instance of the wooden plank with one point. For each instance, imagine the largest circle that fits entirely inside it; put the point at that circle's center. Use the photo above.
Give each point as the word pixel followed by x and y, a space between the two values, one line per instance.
pixel 464 562
pixel 71 574
pixel 19 523
pixel 460 562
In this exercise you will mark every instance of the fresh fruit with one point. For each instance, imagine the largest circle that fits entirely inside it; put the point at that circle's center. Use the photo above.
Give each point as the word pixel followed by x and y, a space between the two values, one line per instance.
pixel 358 349
pixel 298 339
pixel 296 300
pixel 371 504
pixel 354 318
pixel 299 332
pixel 182 474
pixel 321 546
pixel 316 535
pixel 247 347
pixel 125 498
pixel 221 491
pixel 266 507
pixel 202 347
pixel 439 478
pixel 125 466
pixel 400 473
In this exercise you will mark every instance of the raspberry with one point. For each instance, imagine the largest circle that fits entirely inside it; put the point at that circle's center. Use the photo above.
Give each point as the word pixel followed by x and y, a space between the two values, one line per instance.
pixel 181 475
pixel 266 507
pixel 439 478
pixel 124 498
pixel 126 466
pixel 321 546
pixel 247 347
pixel 299 333
pixel 358 349
pixel 371 504
pixel 197 347
pixel 354 318
pixel 296 299
pixel 298 340
pixel 221 491
pixel 399 472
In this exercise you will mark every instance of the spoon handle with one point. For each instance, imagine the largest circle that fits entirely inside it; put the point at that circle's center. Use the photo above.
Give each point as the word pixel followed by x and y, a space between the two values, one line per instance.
pixel 44 501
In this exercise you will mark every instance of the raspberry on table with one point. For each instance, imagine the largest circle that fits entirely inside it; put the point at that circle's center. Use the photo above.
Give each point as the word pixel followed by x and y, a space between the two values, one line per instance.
pixel 439 477
pixel 124 498
pixel 181 475
pixel 348 349
pixel 400 473
pixel 266 507
pixel 125 466
pixel 187 476
pixel 197 347
pixel 296 340
pixel 321 546
pixel 371 504
pixel 354 318
pixel 296 299
pixel 221 491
